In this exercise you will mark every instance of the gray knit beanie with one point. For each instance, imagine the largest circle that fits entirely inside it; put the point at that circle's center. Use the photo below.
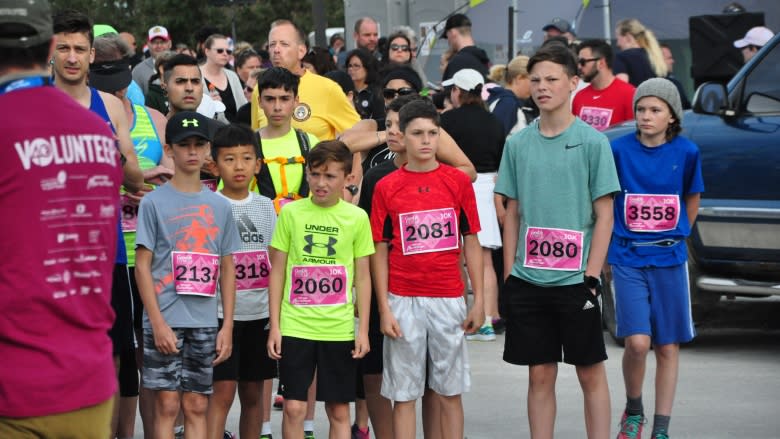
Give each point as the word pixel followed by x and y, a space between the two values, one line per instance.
pixel 663 89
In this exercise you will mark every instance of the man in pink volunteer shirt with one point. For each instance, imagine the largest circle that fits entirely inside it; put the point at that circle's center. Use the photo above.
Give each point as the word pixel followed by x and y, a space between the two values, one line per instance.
pixel 63 172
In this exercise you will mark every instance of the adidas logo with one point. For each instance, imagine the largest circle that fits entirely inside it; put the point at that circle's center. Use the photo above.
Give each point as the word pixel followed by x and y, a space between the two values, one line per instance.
pixel 588 305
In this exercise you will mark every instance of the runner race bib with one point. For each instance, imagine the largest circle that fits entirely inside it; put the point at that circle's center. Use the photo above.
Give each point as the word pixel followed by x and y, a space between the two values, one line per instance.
pixel 129 213
pixel 553 249
pixel 252 269
pixel 318 285
pixel 211 184
pixel 195 273
pixel 596 117
pixel 651 213
pixel 429 231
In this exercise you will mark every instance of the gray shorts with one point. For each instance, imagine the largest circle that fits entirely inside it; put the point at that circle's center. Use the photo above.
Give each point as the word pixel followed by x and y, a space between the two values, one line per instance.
pixel 433 340
pixel 190 370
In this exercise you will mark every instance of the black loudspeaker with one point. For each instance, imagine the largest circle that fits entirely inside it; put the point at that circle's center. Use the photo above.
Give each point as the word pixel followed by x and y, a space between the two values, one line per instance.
pixel 712 44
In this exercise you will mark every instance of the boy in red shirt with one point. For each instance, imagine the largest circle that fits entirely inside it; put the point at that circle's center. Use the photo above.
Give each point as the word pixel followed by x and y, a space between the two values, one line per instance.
pixel 418 216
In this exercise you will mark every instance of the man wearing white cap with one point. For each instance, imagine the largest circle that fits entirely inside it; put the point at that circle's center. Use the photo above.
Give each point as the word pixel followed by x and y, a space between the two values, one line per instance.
pixel 753 41
pixel 159 42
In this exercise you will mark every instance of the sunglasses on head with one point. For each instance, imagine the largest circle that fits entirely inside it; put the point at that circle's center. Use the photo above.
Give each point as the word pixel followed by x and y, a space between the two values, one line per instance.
pixel 221 51
pixel 391 93
pixel 399 47
pixel 584 61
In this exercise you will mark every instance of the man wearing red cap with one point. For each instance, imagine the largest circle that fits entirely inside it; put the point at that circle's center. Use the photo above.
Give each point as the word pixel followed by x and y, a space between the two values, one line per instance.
pixel 159 42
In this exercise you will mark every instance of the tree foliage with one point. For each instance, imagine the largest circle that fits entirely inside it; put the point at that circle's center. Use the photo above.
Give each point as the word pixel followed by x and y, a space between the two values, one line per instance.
pixel 183 18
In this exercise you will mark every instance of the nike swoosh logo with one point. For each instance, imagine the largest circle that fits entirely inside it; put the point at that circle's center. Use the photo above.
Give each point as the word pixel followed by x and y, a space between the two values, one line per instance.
pixel 596 97
pixel 572 146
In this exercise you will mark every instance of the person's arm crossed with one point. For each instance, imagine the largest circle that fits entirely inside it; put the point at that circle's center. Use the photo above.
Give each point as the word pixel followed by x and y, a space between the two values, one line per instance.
pixel 473 254
pixel 275 294
pixel 227 288
pixel 363 290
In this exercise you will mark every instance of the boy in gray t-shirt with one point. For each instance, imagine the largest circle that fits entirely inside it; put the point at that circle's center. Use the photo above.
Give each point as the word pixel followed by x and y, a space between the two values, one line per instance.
pixel 184 245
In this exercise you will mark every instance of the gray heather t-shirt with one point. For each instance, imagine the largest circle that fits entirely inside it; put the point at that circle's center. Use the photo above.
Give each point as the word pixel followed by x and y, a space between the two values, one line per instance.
pixel 187 233
pixel 254 219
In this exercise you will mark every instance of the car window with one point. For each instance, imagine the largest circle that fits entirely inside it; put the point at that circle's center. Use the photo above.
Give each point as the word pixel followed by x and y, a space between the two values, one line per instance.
pixel 762 87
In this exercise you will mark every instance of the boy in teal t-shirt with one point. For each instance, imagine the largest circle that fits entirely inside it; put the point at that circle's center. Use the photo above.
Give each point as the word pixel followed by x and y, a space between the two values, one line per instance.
pixel 560 174
pixel 320 249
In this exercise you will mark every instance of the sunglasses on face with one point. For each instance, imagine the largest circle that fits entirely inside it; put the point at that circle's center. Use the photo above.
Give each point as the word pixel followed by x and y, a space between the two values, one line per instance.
pixel 391 93
pixel 399 47
pixel 584 61
pixel 221 51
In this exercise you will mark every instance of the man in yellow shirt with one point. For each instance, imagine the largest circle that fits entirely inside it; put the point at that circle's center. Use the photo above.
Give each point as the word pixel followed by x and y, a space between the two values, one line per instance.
pixel 323 109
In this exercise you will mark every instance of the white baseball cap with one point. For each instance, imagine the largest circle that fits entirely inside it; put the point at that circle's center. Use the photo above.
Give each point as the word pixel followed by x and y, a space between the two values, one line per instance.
pixel 158 32
pixel 465 79
pixel 757 36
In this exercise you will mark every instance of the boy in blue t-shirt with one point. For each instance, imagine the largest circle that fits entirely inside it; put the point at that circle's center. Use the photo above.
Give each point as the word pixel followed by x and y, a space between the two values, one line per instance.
pixel 184 244
pixel 661 181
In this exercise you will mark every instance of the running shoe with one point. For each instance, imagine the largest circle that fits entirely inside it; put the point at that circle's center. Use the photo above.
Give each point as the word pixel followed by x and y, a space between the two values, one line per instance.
pixel 228 435
pixel 266 436
pixel 358 434
pixel 308 435
pixel 661 436
pixel 485 333
pixel 631 426
pixel 278 401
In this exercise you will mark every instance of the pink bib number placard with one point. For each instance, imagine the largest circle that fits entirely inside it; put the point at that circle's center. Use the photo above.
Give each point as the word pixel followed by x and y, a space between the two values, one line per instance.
pixel 195 273
pixel 252 269
pixel 429 231
pixel 596 117
pixel 129 213
pixel 553 249
pixel 318 285
pixel 211 184
pixel 652 213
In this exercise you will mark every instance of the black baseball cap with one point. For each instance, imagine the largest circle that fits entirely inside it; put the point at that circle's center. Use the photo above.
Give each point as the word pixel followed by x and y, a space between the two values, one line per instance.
pixel 110 76
pixel 25 23
pixel 187 124
pixel 455 21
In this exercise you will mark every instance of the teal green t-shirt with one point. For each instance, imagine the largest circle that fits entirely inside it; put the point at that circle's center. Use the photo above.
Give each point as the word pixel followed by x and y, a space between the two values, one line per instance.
pixel 555 181
pixel 322 244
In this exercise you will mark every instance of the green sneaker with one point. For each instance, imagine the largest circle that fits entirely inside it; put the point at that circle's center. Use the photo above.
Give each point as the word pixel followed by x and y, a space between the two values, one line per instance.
pixel 631 426
pixel 266 436
pixel 485 333
pixel 308 435
pixel 660 435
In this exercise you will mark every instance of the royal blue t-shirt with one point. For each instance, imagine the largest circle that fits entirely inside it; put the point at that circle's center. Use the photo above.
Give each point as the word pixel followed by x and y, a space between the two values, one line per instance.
pixel 651 204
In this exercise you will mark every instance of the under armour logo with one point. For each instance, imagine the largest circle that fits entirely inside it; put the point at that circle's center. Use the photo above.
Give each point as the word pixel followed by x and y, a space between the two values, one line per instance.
pixel 186 123
pixel 310 244
pixel 422 189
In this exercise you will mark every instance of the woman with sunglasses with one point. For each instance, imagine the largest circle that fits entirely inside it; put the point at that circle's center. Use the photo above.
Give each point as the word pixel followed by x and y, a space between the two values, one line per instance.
pixel 400 50
pixel 362 68
pixel 399 80
pixel 223 84
pixel 481 136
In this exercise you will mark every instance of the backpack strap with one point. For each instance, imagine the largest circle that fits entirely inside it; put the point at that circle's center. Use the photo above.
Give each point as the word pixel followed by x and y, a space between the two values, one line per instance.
pixel 305 147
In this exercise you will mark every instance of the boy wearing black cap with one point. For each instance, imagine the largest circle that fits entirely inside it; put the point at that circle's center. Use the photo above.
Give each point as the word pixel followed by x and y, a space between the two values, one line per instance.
pixel 661 181
pixel 184 245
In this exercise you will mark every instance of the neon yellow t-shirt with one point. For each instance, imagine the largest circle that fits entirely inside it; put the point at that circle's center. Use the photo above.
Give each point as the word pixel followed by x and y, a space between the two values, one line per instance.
pixel 286 146
pixel 322 244
pixel 323 109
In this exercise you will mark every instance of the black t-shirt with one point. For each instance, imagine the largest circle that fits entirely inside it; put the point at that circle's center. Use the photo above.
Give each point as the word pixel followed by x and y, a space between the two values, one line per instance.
pixel 478 133
pixel 228 100
pixel 635 63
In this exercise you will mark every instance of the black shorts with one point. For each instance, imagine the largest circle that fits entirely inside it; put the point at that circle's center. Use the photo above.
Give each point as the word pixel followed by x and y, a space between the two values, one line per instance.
pixel 121 333
pixel 138 305
pixel 372 363
pixel 543 321
pixel 128 373
pixel 249 360
pixel 336 369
